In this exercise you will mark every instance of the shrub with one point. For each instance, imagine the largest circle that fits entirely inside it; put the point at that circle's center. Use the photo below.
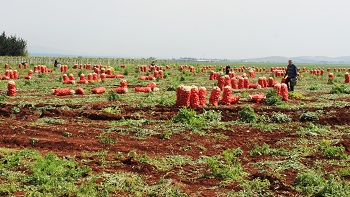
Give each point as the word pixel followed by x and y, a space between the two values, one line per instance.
pixel 248 114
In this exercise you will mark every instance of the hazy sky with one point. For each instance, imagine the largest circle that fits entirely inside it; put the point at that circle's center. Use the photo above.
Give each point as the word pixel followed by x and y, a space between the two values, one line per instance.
pixel 231 29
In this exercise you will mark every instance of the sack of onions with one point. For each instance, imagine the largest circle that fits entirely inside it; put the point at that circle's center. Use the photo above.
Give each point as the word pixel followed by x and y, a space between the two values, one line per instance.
pixel 94 76
pixel 254 86
pixel 120 90
pixel 234 99
pixel 98 90
pixel 123 84
pixel 15 74
pixel 11 88
pixel 221 82
pixel 234 83
pixel 71 77
pixel 227 81
pixel 103 77
pixel 69 82
pixel 143 89
pixel 226 95
pixel 152 85
pixel 257 98
pixel 63 91
pixel 271 82
pixel 65 78
pixel 215 96
pixel 79 90
pixel 246 82
pixel 284 92
pixel 240 82
pixel 347 77
pixel 119 76
pixel 194 99
pixel 202 96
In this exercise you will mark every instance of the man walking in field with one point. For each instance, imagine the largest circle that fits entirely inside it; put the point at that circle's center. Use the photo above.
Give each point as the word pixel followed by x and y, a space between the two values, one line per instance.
pixel 291 74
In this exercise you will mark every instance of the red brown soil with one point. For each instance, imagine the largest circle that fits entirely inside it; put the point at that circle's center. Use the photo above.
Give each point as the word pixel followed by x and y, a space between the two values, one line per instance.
pixel 85 125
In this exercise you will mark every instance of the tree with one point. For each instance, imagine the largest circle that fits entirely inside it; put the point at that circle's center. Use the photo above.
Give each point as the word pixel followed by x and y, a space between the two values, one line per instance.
pixel 12 46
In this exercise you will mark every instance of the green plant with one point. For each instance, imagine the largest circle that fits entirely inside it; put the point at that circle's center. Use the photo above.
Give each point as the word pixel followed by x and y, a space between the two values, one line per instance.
pixel 15 110
pixel 272 98
pixel 332 151
pixel 313 129
pixel 265 149
pixel 295 95
pixel 230 168
pixel 113 96
pixel 42 75
pixel 106 140
pixel 309 182
pixel 185 115
pixel 248 114
pixel 33 141
pixel 67 134
pixel 309 116
pixel 112 110
pixel 28 83
pixel 279 117
pixel 126 72
pixel 340 89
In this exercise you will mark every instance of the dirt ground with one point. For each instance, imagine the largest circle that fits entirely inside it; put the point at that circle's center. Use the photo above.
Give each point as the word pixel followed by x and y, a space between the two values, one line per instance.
pixel 85 125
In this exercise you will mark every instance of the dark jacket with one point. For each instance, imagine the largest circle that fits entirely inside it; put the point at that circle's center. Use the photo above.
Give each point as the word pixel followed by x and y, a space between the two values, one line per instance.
pixel 292 71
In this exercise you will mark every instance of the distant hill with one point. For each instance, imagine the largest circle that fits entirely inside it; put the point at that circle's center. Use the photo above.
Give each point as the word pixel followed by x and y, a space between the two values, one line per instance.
pixel 52 52
pixel 302 59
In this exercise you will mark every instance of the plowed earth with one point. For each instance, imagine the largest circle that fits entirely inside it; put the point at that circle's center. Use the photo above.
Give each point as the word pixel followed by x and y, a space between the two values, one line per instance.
pixel 85 124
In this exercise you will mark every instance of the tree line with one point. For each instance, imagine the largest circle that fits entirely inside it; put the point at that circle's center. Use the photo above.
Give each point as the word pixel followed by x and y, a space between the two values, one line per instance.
pixel 12 46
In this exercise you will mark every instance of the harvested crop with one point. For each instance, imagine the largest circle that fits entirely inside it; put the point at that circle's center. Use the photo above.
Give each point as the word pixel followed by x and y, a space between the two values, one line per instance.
pixel 215 96
pixel 79 90
pixel 257 98
pixel 123 84
pixel 63 91
pixel 226 95
pixel 143 89
pixel 11 88
pixel 202 96
pixel 221 82
pixel 99 90
pixel 284 92
pixel 120 90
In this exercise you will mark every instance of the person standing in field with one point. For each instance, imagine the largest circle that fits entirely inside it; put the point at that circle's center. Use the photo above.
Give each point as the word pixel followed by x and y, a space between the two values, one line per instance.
pixel 291 74
pixel 228 69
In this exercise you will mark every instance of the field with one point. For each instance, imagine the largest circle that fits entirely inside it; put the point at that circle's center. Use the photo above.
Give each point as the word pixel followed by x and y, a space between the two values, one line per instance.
pixel 142 144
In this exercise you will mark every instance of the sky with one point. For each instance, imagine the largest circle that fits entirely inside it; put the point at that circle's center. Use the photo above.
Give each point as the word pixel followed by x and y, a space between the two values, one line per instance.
pixel 232 29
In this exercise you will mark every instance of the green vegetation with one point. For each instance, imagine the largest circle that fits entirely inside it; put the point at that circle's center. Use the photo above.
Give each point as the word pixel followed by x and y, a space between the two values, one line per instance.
pixel 12 46
pixel 272 98
pixel 248 114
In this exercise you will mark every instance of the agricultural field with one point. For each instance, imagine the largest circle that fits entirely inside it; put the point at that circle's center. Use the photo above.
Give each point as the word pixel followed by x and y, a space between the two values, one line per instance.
pixel 145 144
